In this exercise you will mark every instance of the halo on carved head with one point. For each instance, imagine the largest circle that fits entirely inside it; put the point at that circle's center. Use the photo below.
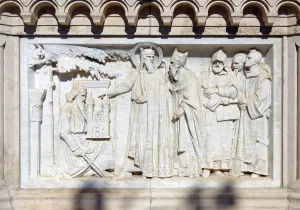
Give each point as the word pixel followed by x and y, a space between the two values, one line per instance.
pixel 146 47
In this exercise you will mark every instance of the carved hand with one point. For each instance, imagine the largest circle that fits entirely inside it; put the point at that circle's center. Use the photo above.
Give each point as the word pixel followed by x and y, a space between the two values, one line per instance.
pixel 242 103
pixel 178 113
pixel 209 91
pixel 78 152
pixel 141 100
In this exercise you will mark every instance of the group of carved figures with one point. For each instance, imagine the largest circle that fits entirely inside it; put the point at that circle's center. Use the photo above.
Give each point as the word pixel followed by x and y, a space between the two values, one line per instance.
pixel 180 124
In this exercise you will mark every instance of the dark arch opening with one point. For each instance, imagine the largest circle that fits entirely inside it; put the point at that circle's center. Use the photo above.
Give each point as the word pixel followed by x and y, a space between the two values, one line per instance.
pixel 258 13
pixel 286 10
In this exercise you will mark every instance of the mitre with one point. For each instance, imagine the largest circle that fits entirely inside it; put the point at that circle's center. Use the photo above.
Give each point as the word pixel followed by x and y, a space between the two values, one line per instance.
pixel 180 57
pixel 219 55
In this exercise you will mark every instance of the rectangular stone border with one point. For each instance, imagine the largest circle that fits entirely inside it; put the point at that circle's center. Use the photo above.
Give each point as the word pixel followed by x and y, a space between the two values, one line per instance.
pixel 291 100
pixel 276 174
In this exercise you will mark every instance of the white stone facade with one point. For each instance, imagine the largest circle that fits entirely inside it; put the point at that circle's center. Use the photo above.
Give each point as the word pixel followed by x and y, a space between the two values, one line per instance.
pixel 49 47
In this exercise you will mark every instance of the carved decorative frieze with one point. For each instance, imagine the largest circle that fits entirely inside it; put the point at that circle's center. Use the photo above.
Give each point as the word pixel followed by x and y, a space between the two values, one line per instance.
pixel 271 13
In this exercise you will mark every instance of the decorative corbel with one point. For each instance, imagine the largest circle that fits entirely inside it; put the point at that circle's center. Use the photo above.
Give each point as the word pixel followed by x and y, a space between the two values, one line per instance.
pixel 271 18
pixel 132 19
pixel 29 18
pixel 63 18
pixel 98 19
pixel 201 20
pixel 236 19
pixel 167 20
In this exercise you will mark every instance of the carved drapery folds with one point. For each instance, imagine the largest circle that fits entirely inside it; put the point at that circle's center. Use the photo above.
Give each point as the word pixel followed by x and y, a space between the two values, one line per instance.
pixel 180 124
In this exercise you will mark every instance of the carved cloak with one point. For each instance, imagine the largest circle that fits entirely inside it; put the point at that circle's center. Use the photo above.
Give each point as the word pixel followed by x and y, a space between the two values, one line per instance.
pixel 72 128
pixel 255 123
pixel 219 116
pixel 190 133
pixel 150 141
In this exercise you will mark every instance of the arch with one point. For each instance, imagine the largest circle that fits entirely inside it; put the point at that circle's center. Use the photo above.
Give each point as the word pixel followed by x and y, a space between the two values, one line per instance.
pixel 108 4
pixel 229 8
pixel 76 4
pixel 38 5
pixel 289 3
pixel 141 5
pixel 261 6
pixel 258 3
pixel 190 4
pixel 11 3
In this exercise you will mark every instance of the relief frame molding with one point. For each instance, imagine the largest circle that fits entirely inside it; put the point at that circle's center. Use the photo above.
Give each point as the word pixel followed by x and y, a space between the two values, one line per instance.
pixel 275 51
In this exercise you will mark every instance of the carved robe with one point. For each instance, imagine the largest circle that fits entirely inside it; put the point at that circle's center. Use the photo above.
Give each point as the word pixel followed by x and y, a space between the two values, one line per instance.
pixel 255 122
pixel 238 127
pixel 73 128
pixel 189 128
pixel 219 118
pixel 150 141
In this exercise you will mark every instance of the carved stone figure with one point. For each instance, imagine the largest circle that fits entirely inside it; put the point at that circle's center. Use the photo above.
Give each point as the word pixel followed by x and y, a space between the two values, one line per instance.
pixel 255 105
pixel 150 143
pixel 187 116
pixel 238 62
pixel 219 88
pixel 82 157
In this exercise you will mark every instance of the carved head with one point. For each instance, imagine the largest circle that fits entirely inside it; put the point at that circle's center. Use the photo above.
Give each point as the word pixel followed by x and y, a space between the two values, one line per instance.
pixel 238 62
pixel 254 58
pixel 39 52
pixel 147 59
pixel 178 59
pixel 78 92
pixel 218 61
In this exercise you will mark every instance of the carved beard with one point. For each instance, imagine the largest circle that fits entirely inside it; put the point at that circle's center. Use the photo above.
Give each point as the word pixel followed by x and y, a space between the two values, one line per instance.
pixel 173 72
pixel 217 69
pixel 82 107
pixel 150 67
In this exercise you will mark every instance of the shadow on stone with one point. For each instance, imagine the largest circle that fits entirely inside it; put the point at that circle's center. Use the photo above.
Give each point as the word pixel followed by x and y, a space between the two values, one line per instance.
pixel 194 200
pixel 202 199
pixel 226 199
pixel 89 198
pixel 30 30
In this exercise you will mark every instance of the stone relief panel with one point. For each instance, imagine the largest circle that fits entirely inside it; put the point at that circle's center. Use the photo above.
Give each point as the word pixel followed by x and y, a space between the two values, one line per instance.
pixel 184 119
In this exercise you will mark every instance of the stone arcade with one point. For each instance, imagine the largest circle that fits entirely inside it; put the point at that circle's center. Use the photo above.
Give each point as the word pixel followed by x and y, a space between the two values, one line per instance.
pixel 149 104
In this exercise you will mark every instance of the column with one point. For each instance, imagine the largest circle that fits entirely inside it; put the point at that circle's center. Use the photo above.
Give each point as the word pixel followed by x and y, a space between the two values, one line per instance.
pixel 2 44
pixel 36 98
